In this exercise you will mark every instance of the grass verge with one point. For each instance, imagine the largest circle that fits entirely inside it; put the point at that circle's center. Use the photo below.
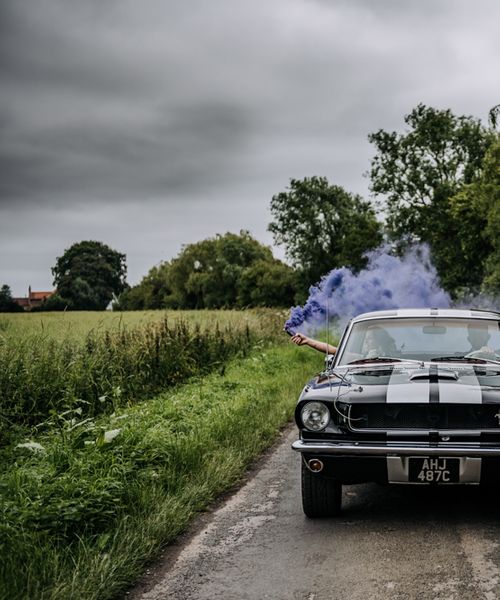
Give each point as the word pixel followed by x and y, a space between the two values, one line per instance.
pixel 84 506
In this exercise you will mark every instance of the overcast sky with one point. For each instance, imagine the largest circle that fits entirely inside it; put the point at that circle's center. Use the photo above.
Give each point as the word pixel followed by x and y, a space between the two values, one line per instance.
pixel 148 125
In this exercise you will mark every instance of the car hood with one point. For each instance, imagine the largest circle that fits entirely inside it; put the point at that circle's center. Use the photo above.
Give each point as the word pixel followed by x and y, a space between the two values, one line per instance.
pixel 403 383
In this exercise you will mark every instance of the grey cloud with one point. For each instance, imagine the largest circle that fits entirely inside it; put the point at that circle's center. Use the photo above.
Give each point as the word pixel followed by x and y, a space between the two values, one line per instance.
pixel 187 148
pixel 189 106
pixel 112 99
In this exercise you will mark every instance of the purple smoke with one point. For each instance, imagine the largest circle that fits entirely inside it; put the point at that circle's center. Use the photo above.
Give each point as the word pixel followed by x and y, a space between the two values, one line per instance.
pixel 387 282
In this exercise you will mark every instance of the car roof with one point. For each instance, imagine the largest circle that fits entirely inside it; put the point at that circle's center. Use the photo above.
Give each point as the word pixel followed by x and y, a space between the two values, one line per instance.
pixel 455 313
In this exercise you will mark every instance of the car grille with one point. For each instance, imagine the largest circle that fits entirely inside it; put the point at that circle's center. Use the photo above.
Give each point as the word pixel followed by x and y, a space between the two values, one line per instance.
pixel 424 416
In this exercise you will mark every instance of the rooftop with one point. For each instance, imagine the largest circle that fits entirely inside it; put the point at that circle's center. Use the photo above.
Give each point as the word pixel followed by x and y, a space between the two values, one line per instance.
pixel 460 313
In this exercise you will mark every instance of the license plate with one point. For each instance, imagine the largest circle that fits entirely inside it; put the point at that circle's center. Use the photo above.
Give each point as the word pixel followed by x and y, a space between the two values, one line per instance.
pixel 433 470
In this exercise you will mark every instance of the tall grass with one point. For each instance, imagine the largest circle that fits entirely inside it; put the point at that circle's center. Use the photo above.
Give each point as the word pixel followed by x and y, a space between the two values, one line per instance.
pixel 41 376
pixel 85 504
pixel 76 325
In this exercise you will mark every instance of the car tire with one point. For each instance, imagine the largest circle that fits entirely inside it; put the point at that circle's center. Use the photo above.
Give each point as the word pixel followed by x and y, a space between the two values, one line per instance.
pixel 321 497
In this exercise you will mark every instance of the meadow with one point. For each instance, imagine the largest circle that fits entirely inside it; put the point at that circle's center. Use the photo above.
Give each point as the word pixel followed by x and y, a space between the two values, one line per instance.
pixel 93 490
pixel 75 325
pixel 56 362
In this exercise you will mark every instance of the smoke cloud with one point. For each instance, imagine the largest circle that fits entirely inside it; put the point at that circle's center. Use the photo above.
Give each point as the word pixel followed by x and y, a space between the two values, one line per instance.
pixel 387 282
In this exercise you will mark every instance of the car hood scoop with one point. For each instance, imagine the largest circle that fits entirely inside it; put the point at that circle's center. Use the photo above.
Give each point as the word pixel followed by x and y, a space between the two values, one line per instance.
pixel 427 375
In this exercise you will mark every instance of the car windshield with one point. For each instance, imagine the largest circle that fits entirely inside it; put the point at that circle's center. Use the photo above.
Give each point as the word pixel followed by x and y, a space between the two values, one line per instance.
pixel 422 339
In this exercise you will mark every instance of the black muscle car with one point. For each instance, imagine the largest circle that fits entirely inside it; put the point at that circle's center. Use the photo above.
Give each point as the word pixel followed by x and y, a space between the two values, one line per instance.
pixel 411 397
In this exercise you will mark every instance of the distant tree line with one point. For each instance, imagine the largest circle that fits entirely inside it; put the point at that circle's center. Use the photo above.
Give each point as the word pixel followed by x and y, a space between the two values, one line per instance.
pixel 228 270
pixel 437 183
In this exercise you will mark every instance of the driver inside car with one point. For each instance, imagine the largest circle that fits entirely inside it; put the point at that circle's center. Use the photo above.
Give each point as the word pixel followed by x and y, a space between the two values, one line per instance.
pixel 478 337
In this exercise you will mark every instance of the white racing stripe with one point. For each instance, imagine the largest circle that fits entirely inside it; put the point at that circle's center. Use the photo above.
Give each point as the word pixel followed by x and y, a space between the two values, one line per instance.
pixel 466 390
pixel 404 386
pixel 400 389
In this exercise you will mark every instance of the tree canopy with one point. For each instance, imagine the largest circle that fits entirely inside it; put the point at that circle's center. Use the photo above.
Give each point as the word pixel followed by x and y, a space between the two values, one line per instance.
pixel 89 274
pixel 322 226
pixel 205 274
pixel 267 283
pixel 224 271
pixel 477 207
pixel 417 172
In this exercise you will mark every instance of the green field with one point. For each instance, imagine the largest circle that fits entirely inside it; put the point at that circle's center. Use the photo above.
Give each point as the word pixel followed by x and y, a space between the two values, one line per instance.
pixel 78 324
pixel 62 361
pixel 97 486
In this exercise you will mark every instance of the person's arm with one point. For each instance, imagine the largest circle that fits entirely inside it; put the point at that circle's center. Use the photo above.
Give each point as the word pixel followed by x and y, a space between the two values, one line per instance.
pixel 302 340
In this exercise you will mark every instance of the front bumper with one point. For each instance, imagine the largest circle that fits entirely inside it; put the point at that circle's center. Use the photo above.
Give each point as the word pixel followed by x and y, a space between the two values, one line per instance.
pixel 358 462
pixel 395 449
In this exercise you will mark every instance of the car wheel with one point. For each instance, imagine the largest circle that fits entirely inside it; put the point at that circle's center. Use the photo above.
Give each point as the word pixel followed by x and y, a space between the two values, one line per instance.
pixel 321 497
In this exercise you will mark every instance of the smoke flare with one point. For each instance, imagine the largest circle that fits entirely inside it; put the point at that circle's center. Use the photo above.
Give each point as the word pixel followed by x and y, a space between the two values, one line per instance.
pixel 387 282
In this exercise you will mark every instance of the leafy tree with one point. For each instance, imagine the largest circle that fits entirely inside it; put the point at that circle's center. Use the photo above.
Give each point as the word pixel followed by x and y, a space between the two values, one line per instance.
pixel 477 208
pixel 225 271
pixel 322 226
pixel 206 274
pixel 417 172
pixel 7 303
pixel 151 293
pixel 267 283
pixel 89 274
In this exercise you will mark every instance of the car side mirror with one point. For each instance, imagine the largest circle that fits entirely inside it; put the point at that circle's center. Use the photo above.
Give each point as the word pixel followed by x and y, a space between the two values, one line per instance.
pixel 329 358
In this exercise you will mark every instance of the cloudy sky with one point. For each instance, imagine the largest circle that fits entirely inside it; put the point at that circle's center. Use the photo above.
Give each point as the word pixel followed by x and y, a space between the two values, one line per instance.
pixel 148 125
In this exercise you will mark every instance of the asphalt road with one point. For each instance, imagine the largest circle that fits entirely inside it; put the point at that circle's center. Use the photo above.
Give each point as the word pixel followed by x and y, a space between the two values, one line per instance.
pixel 391 542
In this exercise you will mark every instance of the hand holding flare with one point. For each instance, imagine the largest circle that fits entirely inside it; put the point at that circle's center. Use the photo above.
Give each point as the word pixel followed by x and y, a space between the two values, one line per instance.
pixel 302 340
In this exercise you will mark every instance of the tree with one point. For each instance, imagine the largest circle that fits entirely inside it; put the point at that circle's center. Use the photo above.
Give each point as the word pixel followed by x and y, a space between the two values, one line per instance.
pixel 151 293
pixel 89 274
pixel 417 172
pixel 267 283
pixel 477 208
pixel 224 271
pixel 206 274
pixel 7 303
pixel 322 227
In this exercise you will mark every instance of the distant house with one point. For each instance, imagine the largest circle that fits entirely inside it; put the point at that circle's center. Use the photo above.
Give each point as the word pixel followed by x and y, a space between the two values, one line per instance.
pixel 33 299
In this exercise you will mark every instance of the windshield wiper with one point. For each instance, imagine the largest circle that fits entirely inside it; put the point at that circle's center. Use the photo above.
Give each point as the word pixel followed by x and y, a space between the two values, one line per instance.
pixel 387 359
pixel 471 359
pixel 360 361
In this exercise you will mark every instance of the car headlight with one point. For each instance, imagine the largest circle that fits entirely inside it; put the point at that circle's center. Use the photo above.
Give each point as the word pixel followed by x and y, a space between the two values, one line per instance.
pixel 315 416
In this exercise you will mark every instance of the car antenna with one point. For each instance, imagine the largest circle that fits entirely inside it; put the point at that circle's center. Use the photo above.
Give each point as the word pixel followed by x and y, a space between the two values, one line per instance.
pixel 327 319
pixel 327 343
